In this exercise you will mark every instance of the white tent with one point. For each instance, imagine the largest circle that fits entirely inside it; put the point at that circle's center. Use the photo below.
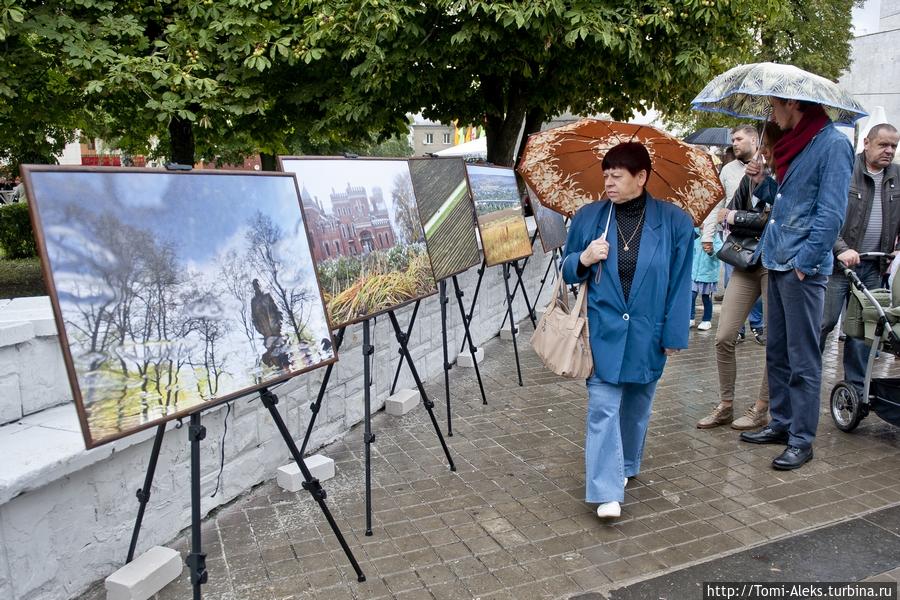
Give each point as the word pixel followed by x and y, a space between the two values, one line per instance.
pixel 474 149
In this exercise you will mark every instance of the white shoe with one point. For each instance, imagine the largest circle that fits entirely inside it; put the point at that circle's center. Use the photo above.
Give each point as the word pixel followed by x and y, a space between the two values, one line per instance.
pixel 625 485
pixel 704 325
pixel 691 324
pixel 609 510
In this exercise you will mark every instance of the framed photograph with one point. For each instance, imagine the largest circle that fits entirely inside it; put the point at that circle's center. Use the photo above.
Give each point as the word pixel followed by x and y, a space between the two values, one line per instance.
pixel 367 237
pixel 448 215
pixel 551 225
pixel 173 291
pixel 501 223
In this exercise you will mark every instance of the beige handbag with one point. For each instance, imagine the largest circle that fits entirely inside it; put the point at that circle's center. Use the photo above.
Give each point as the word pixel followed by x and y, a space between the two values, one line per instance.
pixel 561 339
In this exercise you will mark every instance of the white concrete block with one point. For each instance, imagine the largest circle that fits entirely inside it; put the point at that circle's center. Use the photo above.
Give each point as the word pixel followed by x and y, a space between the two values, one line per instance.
pixel 402 402
pixel 465 358
pixel 145 575
pixel 10 399
pixel 290 478
pixel 506 334
pixel 15 333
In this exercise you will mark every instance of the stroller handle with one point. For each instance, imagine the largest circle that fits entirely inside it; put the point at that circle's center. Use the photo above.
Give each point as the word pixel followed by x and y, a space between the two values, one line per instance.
pixel 848 271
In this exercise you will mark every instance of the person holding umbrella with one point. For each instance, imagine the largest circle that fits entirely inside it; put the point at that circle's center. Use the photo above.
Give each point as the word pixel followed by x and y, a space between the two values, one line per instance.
pixel 813 164
pixel 635 253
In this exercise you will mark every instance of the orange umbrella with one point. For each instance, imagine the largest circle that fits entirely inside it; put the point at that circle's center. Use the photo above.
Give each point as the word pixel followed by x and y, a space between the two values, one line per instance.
pixel 562 166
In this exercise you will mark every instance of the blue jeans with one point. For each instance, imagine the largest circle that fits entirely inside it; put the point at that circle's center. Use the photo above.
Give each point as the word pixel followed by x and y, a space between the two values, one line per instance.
pixel 793 358
pixel 617 419
pixel 757 321
pixel 707 306
pixel 856 351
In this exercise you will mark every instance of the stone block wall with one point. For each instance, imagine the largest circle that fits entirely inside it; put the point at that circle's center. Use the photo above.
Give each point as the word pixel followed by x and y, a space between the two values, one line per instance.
pixel 66 514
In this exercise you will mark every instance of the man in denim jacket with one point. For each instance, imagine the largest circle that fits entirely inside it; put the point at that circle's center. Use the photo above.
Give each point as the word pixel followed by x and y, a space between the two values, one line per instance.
pixel 813 164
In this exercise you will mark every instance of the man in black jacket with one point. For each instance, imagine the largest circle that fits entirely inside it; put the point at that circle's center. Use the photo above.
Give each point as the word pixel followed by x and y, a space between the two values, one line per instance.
pixel 871 225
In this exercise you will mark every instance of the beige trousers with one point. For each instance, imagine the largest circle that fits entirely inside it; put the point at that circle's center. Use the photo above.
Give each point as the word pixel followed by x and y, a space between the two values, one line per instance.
pixel 740 295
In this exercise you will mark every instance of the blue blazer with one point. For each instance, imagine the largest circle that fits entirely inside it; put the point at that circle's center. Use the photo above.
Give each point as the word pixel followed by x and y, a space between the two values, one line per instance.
pixel 628 339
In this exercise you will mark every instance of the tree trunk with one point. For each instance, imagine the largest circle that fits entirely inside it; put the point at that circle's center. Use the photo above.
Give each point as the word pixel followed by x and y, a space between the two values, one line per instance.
pixel 267 162
pixel 503 122
pixel 181 141
pixel 534 118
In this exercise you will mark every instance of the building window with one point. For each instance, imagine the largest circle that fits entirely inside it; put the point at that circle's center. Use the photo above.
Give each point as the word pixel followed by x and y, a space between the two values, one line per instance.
pixel 337 247
pixel 325 246
pixel 446 138
pixel 429 138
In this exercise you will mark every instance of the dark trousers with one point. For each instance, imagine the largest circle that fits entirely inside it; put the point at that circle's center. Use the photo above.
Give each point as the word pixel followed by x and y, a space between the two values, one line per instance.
pixel 856 351
pixel 793 359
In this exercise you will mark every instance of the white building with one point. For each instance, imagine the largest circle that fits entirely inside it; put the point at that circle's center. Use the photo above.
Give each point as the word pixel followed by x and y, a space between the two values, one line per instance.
pixel 874 75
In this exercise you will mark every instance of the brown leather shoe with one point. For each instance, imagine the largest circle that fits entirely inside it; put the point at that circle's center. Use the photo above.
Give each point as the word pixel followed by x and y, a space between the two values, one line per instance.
pixel 722 414
pixel 752 419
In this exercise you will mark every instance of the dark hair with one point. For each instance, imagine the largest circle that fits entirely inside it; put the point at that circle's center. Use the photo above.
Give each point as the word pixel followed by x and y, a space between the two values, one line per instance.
pixel 631 156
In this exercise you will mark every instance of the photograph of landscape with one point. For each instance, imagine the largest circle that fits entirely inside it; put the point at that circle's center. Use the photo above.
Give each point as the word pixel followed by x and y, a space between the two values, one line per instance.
pixel 175 291
pixel 551 225
pixel 448 216
pixel 504 235
pixel 367 237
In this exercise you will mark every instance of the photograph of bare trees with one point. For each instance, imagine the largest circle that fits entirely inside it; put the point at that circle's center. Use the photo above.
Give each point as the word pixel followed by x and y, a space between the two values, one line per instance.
pixel 367 237
pixel 448 215
pixel 501 222
pixel 551 225
pixel 175 291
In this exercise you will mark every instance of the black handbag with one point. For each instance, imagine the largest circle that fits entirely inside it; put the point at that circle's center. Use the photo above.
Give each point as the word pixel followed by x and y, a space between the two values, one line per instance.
pixel 737 250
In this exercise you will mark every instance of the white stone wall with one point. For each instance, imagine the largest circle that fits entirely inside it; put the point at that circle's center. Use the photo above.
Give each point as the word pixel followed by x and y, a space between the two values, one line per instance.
pixel 66 514
pixel 874 74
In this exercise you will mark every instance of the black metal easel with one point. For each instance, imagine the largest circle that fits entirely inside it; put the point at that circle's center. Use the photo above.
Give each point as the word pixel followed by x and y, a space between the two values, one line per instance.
pixel 554 262
pixel 467 338
pixel 368 437
pixel 196 560
pixel 512 323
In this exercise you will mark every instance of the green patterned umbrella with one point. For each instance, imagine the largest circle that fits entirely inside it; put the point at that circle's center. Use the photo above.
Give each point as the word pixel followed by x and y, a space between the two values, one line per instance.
pixel 743 92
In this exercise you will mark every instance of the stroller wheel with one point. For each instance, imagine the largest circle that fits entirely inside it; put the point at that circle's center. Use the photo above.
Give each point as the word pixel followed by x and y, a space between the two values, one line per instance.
pixel 846 409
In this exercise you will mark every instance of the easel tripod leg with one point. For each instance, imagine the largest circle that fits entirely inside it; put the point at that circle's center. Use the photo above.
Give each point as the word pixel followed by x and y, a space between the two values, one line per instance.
pixel 444 300
pixel 315 406
pixel 143 494
pixel 468 318
pixel 368 438
pixel 429 405
pixel 196 560
pixel 521 283
pixel 310 484
pixel 412 320
pixel 512 322
pixel 468 337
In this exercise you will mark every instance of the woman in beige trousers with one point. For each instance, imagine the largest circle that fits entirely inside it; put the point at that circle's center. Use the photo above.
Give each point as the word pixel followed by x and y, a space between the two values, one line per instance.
pixel 746 216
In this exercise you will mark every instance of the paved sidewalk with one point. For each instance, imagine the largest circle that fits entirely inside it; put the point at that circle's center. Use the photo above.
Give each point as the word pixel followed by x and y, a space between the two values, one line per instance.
pixel 511 522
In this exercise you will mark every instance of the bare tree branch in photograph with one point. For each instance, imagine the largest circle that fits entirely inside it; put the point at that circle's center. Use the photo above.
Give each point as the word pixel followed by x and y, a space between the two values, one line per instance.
pixel 405 205
pixel 263 238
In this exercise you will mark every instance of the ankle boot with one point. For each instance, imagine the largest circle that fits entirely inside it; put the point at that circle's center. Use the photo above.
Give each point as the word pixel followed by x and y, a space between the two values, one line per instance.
pixel 722 414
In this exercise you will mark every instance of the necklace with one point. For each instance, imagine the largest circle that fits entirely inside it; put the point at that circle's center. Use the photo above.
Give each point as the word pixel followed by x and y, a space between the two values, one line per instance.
pixel 633 233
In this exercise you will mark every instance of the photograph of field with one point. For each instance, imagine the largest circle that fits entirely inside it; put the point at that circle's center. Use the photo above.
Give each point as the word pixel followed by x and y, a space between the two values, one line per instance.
pixel 367 237
pixel 448 216
pixel 551 225
pixel 175 291
pixel 504 235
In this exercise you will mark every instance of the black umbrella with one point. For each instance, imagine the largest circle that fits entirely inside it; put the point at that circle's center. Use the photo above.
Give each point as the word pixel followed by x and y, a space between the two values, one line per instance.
pixel 711 136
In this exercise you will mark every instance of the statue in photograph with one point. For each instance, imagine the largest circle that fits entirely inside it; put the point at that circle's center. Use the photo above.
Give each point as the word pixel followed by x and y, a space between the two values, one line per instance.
pixel 267 321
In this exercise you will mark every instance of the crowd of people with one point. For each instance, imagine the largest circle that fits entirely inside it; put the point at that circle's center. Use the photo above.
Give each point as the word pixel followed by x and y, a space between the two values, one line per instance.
pixel 812 209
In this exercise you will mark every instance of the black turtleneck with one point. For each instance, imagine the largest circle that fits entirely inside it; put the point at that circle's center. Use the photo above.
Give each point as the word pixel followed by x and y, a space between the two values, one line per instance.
pixel 630 218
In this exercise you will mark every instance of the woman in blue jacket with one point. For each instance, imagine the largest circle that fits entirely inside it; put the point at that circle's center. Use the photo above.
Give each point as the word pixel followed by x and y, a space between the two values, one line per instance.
pixel 639 303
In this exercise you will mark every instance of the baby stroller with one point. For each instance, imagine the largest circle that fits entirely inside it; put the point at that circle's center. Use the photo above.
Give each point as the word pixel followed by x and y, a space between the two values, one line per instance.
pixel 873 315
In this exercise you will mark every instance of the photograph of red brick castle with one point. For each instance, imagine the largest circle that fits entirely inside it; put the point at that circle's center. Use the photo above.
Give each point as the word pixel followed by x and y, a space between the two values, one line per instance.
pixel 358 222
pixel 366 233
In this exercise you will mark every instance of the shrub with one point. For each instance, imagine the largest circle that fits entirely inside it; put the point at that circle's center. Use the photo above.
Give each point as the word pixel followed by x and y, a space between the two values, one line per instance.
pixel 16 238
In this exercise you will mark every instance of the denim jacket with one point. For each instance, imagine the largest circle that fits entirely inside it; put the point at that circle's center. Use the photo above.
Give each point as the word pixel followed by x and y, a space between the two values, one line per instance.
pixel 808 206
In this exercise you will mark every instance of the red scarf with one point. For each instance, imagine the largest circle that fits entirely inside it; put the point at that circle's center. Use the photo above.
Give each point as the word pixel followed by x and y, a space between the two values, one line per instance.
pixel 794 141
